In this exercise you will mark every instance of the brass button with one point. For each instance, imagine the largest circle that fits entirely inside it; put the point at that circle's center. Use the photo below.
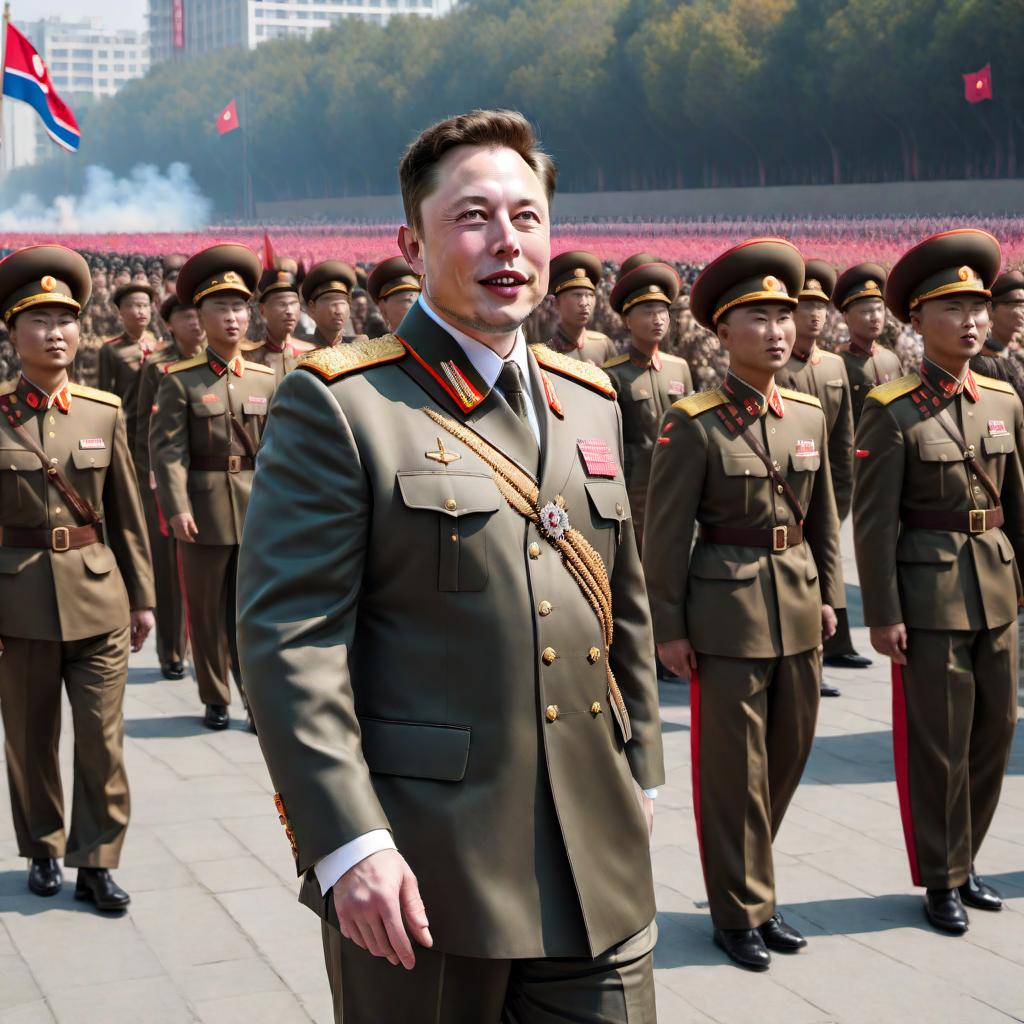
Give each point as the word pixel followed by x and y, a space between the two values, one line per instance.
pixel 52 420
pixel 451 504
pixel 544 608
pixel 970 447
pixel 779 488
pixel 52 434
pixel 593 655
pixel 746 472
pixel 455 538
pixel 595 708
pixel 618 508
pixel 551 712
pixel 548 655
pixel 57 511
pixel 534 550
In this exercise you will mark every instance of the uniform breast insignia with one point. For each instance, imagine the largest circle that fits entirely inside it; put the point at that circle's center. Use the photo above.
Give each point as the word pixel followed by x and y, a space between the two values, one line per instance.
pixel 257 399
pixel 997 428
pixel 598 459
pixel 210 397
pixel 442 455
pixel 575 369
pixel 554 520
pixel 805 448
pixel 91 444
pixel 677 387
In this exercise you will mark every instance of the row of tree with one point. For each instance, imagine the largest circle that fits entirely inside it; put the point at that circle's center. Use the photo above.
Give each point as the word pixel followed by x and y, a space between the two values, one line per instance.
pixel 627 94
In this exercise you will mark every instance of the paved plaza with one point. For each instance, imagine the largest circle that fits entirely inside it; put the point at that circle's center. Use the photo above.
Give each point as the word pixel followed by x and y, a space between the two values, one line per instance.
pixel 214 933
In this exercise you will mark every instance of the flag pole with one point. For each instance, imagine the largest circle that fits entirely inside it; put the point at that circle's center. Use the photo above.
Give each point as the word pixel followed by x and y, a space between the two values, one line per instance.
pixel 3 64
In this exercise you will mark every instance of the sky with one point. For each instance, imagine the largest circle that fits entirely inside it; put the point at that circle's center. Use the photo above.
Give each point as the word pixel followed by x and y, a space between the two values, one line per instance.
pixel 122 14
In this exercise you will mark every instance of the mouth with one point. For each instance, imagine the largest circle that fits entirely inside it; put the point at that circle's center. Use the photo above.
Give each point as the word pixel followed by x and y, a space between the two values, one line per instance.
pixel 505 283
pixel 775 351
pixel 970 338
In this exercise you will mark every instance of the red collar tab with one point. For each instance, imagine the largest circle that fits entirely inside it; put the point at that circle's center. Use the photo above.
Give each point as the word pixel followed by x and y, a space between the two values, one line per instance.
pixel 552 398
pixel 36 398
pixel 775 403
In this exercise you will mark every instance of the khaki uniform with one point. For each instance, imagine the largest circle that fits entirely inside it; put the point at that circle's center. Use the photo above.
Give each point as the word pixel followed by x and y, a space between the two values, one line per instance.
pixel 120 360
pixel 596 348
pixel 64 617
pixel 867 370
pixel 280 360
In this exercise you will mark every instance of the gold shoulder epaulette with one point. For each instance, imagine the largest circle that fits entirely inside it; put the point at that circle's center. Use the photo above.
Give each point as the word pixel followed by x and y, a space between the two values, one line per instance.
pixel 187 364
pixel 8 387
pixel 251 346
pixel 615 361
pixel 799 396
pixel 993 384
pixel 574 369
pixel 117 337
pixel 339 360
pixel 107 397
pixel 597 336
pixel 694 405
pixel 829 354
pixel 258 367
pixel 888 392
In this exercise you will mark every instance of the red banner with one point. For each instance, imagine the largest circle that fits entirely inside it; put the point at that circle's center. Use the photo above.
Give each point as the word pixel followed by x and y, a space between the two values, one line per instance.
pixel 178 23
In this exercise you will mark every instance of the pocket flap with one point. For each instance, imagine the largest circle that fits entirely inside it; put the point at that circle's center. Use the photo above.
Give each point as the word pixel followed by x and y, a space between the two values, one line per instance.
pixel 254 408
pixel 939 449
pixel 1001 444
pixel 454 494
pixel 418 750
pixel 206 409
pixel 94 459
pixel 640 389
pixel 743 464
pixel 98 559
pixel 834 383
pixel 803 463
pixel 609 499
pixel 18 460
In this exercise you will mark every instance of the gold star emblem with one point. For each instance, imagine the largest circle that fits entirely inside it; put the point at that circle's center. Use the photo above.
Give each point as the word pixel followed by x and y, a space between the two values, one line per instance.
pixel 232 278
pixel 871 286
pixel 770 284
pixel 48 283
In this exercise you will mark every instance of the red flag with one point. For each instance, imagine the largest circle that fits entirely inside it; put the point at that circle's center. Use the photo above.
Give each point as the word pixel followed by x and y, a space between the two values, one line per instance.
pixel 227 119
pixel 268 252
pixel 978 85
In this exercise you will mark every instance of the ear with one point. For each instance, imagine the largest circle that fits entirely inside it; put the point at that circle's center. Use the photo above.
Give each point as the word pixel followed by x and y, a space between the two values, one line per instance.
pixel 724 335
pixel 412 249
pixel 915 322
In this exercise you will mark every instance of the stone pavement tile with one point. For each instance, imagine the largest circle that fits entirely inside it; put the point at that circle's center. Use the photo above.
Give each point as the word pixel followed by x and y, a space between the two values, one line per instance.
pixel 679 869
pixel 149 1001
pixel 17 986
pixel 240 747
pixel 276 923
pixel 139 878
pixel 307 974
pixel 190 841
pixel 257 771
pixel 804 882
pixel 37 1012
pixel 870 867
pixel 268 1008
pixel 203 760
pixel 264 838
pixel 205 982
pixel 673 1009
pixel 233 874
pixel 320 1006
pixel 210 797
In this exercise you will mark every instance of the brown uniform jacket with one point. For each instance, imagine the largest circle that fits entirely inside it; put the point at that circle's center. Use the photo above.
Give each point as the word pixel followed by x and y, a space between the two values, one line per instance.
pixel 938 579
pixel 194 405
pixel 152 372
pixel 823 374
pixel 730 599
pixel 596 348
pixel 280 360
pixel 418 657
pixel 866 371
pixel 70 595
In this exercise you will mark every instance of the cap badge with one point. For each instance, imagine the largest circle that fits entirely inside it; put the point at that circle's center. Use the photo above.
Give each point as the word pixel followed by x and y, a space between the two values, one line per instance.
pixel 770 284
pixel 814 285
pixel 965 273
pixel 652 288
pixel 232 278
pixel 579 272
pixel 871 286
pixel 48 283
pixel 283 275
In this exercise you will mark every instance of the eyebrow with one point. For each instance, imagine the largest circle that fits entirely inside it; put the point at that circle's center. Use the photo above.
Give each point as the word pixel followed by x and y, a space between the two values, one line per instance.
pixel 461 201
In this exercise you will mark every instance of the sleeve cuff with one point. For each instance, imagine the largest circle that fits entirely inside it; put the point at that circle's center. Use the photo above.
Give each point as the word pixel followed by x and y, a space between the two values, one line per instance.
pixel 330 868
pixel 651 794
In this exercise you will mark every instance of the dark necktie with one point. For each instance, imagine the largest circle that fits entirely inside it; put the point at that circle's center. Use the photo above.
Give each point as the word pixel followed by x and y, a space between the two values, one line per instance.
pixel 510 381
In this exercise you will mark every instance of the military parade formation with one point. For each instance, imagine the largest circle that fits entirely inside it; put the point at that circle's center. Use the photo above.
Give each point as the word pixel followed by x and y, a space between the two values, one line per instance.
pixel 446 569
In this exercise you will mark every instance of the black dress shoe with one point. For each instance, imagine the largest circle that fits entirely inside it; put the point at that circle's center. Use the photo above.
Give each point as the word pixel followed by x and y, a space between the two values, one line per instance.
pixel 173 670
pixel 96 886
pixel 44 877
pixel 216 717
pixel 945 911
pixel 781 937
pixel 744 946
pixel 828 690
pixel 979 894
pixel 847 661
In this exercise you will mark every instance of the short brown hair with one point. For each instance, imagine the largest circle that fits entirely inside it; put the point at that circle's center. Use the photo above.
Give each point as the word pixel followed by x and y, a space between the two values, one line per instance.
pixel 493 129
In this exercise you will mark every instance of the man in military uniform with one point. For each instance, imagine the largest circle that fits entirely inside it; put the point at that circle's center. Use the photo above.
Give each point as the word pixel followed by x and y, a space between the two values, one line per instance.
pixel 75 582
pixel 646 380
pixel 326 289
pixel 278 292
pixel 463 516
pixel 821 373
pixel 394 289
pixel 940 495
pixel 187 339
pixel 858 296
pixel 743 613
pixel 1000 355
pixel 210 412
pixel 573 279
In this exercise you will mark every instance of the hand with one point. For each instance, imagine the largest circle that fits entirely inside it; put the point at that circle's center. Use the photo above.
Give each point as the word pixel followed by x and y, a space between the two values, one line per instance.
pixel 376 901
pixel 891 641
pixel 647 807
pixel 142 623
pixel 679 657
pixel 184 528
pixel 828 622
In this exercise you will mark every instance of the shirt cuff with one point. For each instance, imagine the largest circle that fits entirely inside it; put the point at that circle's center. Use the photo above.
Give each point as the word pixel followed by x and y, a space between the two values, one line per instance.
pixel 330 868
pixel 651 794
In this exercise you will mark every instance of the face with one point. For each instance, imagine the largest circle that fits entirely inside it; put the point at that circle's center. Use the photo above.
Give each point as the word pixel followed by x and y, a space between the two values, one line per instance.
pixel 953 327
pixel 575 308
pixel 187 330
pixel 99 278
pixel 865 318
pixel 330 312
pixel 758 338
pixel 394 307
pixel 46 339
pixel 1008 315
pixel 484 244
pixel 225 318
pixel 123 276
pixel 170 282
pixel 648 322
pixel 809 317
pixel 281 313
pixel 136 311
pixel 360 307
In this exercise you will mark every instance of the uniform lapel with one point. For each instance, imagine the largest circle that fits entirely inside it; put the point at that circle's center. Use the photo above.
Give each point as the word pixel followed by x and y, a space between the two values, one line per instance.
pixel 559 449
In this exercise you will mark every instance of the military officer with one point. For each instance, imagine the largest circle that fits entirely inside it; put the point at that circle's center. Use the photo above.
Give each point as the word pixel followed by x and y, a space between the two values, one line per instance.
pixel 465 498
pixel 858 296
pixel 210 412
pixel 1000 355
pixel 326 290
pixel 573 279
pixel 75 582
pixel 278 292
pixel 821 373
pixel 646 380
pixel 939 495
pixel 394 288
pixel 744 612
pixel 187 339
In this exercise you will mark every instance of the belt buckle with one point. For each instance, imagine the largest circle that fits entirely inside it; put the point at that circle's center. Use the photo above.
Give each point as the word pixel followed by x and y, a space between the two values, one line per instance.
pixel 976 520
pixel 60 539
pixel 780 538
pixel 234 463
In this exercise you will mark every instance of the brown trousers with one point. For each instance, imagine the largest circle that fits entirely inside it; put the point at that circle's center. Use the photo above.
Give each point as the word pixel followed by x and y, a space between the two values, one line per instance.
pixel 94 671
pixel 209 571
pixel 954 713
pixel 616 987
pixel 751 728
pixel 171 636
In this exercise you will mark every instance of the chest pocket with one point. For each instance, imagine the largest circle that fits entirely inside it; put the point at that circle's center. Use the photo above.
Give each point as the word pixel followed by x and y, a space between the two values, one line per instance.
pixel 743 464
pixel 640 389
pixel 1001 444
pixel 939 449
pixel 254 408
pixel 19 474
pixel 804 463
pixel 204 410
pixel 462 504
pixel 98 458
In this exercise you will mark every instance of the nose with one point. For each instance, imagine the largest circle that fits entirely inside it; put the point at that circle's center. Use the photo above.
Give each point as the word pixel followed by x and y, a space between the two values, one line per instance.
pixel 505 240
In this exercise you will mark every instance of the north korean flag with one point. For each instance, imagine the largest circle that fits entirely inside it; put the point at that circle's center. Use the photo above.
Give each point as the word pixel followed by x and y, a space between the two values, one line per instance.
pixel 27 78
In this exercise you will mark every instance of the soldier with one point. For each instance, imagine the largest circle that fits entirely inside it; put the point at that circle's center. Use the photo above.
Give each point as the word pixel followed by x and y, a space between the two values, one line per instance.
pixel 210 412
pixel 1000 355
pixel 187 339
pixel 462 515
pixel 573 279
pixel 939 496
pixel 858 296
pixel 821 373
pixel 394 289
pixel 278 292
pixel 326 289
pixel 646 380
pixel 747 463
pixel 75 582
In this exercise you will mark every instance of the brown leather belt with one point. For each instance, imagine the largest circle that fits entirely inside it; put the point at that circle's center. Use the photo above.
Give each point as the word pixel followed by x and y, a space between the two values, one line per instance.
pixel 777 538
pixel 972 520
pixel 222 463
pixel 60 538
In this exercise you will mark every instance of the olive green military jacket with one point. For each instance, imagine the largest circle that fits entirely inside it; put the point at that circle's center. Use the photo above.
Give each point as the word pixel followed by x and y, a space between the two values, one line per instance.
pixel 418 657
pixel 730 599
pixel 194 405
pixel 88 591
pixel 823 374
pixel 281 360
pixel 938 579
pixel 152 372
pixel 596 348
pixel 867 370
pixel 646 388
pixel 120 359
